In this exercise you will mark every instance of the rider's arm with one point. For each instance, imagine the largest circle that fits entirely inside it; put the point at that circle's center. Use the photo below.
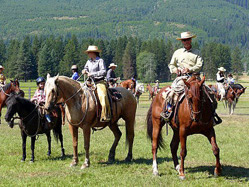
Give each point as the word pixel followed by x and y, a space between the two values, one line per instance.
pixel 102 69
pixel 173 64
pixel 218 77
pixel 108 75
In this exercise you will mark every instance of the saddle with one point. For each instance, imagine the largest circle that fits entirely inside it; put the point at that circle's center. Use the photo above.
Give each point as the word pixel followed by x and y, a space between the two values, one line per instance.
pixel 115 95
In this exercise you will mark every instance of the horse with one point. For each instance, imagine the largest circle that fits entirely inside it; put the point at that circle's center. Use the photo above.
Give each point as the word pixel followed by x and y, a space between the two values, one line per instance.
pixel 139 91
pixel 129 84
pixel 32 123
pixel 152 93
pixel 195 115
pixel 214 88
pixel 82 112
pixel 233 93
pixel 5 91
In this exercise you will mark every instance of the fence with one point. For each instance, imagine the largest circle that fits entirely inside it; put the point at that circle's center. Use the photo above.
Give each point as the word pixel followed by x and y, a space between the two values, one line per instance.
pixel 29 91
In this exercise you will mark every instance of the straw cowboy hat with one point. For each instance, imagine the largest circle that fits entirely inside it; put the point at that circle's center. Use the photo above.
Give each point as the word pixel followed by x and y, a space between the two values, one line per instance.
pixel 74 67
pixel 222 69
pixel 1 67
pixel 112 65
pixel 92 48
pixel 186 35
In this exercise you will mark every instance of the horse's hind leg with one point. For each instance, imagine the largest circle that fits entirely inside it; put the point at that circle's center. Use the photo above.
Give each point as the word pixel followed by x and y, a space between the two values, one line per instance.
pixel 24 139
pixel 129 125
pixel 174 147
pixel 87 134
pixel 212 139
pixel 117 133
pixel 74 133
pixel 33 149
pixel 49 142
pixel 62 147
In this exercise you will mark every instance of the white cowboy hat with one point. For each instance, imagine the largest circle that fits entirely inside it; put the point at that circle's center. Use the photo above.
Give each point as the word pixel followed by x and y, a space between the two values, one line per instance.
pixel 222 69
pixel 92 48
pixel 157 80
pixel 74 67
pixel 186 35
pixel 1 67
pixel 112 65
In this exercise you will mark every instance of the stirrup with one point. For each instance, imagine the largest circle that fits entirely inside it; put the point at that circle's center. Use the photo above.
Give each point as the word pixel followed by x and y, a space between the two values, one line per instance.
pixel 217 119
pixel 166 115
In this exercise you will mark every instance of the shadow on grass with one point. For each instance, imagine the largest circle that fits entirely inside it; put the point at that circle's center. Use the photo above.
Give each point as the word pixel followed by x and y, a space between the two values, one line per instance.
pixel 228 171
pixel 62 158
pixel 138 161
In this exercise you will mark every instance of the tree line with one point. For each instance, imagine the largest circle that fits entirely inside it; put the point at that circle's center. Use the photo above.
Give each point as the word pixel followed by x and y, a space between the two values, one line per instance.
pixel 147 60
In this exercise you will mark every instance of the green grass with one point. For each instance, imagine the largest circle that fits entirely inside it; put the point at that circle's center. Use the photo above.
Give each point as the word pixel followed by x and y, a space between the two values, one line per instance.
pixel 232 138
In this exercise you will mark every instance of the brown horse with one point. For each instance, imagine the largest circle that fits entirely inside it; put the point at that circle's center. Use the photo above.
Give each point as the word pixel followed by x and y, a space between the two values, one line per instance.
pixel 194 116
pixel 152 93
pixel 129 84
pixel 233 93
pixel 81 112
pixel 5 91
pixel 214 88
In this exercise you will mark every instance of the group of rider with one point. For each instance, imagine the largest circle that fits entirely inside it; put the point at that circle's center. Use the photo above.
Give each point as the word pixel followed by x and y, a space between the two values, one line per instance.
pixel 185 62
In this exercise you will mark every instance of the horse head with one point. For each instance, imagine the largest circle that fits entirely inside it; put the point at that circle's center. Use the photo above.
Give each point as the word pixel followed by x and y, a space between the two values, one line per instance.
pixel 193 95
pixel 239 92
pixel 51 91
pixel 12 108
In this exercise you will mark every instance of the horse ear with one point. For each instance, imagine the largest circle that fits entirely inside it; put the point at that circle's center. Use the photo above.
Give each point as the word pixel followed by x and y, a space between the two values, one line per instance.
pixel 48 76
pixel 186 83
pixel 57 76
pixel 202 81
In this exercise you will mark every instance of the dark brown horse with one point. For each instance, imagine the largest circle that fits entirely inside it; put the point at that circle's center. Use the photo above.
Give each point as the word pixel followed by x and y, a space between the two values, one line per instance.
pixel 129 84
pixel 233 93
pixel 152 93
pixel 5 92
pixel 194 116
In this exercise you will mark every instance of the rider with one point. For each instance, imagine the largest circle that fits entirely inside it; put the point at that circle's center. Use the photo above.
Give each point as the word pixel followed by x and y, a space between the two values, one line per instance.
pixel 230 79
pixel 220 77
pixel 111 77
pixel 39 96
pixel 95 68
pixel 2 77
pixel 156 87
pixel 75 75
pixel 185 62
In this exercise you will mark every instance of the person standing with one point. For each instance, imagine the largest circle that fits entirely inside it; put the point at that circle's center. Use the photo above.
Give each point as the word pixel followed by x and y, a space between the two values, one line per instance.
pixel 96 69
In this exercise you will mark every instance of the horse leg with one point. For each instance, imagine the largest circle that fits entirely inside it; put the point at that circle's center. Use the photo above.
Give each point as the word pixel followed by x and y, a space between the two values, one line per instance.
pixel 129 125
pixel 183 153
pixel 87 134
pixel 49 142
pixel 155 135
pixel 212 139
pixel 174 147
pixel 74 133
pixel 233 107
pixel 229 106
pixel 117 133
pixel 62 147
pixel 24 139
pixel 33 149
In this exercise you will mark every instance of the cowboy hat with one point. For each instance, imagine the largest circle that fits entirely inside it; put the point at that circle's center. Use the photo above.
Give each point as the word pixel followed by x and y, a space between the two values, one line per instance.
pixel 112 65
pixel 1 67
pixel 74 67
pixel 92 48
pixel 221 69
pixel 186 35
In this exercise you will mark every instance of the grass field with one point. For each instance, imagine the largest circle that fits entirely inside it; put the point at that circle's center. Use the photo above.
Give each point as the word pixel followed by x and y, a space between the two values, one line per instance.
pixel 232 138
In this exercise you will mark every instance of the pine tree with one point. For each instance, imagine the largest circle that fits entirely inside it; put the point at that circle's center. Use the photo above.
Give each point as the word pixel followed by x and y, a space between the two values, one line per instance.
pixel 2 52
pixel 35 48
pixel 44 61
pixel 129 64
pixel 237 65
pixel 10 65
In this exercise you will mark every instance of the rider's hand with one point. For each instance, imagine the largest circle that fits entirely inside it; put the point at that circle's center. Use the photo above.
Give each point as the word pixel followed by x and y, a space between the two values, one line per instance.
pixel 185 70
pixel 178 72
pixel 84 71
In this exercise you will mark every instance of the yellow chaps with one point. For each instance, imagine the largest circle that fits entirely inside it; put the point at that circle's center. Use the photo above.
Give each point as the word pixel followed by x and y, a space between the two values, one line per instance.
pixel 103 98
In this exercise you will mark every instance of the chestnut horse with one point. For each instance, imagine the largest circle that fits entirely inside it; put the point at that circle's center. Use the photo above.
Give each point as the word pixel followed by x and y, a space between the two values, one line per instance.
pixel 82 112
pixel 152 93
pixel 233 93
pixel 195 115
pixel 129 84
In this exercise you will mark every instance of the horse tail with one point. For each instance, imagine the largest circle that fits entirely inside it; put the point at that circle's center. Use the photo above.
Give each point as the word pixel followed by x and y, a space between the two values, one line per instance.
pixel 150 129
pixel 57 130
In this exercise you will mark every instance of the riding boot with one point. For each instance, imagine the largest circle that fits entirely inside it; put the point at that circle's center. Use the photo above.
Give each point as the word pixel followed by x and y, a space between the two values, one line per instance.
pixel 167 114
pixel 217 119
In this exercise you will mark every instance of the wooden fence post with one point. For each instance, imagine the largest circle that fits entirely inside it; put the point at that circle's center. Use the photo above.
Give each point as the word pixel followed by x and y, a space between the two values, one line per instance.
pixel 29 93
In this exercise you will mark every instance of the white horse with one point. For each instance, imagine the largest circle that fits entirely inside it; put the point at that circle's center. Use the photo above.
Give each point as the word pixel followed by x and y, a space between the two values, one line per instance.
pixel 139 91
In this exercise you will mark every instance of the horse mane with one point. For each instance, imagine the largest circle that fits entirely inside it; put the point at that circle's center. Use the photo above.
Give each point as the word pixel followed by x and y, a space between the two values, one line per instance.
pixel 237 86
pixel 6 87
pixel 25 102
pixel 71 81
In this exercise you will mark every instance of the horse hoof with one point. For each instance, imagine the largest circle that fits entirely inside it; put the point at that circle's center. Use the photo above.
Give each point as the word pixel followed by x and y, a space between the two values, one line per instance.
pixel 182 177
pixel 111 160
pixel 84 166
pixel 73 165
pixel 155 173
pixel 31 161
pixel 22 160
pixel 128 159
pixel 216 173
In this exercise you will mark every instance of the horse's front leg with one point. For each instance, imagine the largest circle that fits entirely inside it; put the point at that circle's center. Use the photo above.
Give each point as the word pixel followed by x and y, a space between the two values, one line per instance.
pixel 74 133
pixel 49 142
pixel 87 134
pixel 33 149
pixel 174 147
pixel 183 153
pixel 24 139
pixel 212 139
pixel 117 133
pixel 62 147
